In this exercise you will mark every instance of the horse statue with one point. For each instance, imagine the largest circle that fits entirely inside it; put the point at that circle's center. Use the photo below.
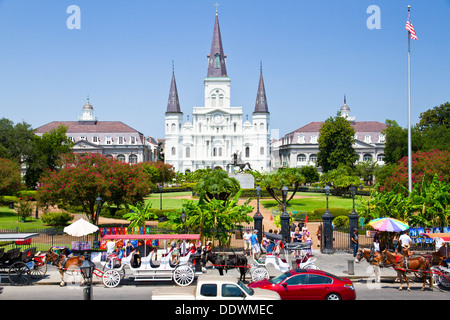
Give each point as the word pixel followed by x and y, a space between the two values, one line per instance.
pixel 404 264
pixel 64 263
pixel 237 162
pixel 373 257
pixel 226 262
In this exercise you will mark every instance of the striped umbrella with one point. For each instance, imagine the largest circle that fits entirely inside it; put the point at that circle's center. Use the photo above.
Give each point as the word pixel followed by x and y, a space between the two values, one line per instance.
pixel 388 224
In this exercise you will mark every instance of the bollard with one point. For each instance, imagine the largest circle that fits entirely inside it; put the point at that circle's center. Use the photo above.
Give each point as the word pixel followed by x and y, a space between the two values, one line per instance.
pixel 351 267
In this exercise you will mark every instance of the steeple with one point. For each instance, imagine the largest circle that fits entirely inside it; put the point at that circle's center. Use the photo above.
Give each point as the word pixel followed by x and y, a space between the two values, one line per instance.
pixel 173 105
pixel 261 101
pixel 216 59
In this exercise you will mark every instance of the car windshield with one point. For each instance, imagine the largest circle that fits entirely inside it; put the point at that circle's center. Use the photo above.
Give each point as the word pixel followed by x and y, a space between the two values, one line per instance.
pixel 280 278
pixel 247 290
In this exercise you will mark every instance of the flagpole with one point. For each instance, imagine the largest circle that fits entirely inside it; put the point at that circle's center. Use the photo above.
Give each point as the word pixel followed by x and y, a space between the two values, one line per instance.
pixel 409 111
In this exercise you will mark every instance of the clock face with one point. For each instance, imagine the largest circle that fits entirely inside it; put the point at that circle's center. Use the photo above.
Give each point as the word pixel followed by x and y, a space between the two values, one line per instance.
pixel 217 118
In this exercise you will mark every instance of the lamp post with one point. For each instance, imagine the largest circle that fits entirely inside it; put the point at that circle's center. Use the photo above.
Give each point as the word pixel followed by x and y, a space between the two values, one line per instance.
pixel 284 217
pixel 353 217
pixel 98 202
pixel 327 218
pixel 183 220
pixel 258 218
pixel 160 187
pixel 87 269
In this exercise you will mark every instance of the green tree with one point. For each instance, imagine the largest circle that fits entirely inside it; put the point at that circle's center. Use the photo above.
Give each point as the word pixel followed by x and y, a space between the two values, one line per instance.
pixel 289 177
pixel 46 153
pixel 434 126
pixel 396 145
pixel 336 138
pixel 341 179
pixel 10 181
pixel 159 171
pixel 217 185
pixel 310 173
pixel 15 140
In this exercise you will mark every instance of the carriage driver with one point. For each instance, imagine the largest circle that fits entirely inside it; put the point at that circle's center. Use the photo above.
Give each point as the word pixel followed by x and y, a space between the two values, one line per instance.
pixel 255 244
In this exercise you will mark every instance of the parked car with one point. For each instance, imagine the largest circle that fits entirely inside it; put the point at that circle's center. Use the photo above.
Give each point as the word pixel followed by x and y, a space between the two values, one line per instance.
pixel 308 284
pixel 211 287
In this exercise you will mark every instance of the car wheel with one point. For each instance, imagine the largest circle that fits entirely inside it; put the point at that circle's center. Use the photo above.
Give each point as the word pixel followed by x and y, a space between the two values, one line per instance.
pixel 333 296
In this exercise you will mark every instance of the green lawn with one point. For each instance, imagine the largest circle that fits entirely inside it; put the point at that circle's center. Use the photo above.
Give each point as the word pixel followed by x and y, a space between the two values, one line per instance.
pixel 168 201
pixel 9 220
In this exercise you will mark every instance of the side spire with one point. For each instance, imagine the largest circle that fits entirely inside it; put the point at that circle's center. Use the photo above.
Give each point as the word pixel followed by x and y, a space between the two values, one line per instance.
pixel 173 105
pixel 216 59
pixel 261 100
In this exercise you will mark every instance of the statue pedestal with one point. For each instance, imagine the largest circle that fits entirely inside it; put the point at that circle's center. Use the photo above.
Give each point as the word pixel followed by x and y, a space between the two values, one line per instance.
pixel 246 180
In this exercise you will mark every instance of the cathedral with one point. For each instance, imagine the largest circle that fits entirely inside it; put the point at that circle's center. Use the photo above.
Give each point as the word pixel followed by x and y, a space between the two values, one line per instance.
pixel 217 135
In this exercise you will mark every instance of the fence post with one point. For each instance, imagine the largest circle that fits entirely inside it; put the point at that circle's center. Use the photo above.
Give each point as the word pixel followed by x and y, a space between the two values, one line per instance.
pixel 327 233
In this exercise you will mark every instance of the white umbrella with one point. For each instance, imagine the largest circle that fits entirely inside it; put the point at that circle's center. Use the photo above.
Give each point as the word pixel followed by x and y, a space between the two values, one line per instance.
pixel 80 228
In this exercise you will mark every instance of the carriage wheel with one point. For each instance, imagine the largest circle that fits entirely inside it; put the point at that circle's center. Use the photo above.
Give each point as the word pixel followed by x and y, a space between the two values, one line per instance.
pixel 121 271
pixel 183 275
pixel 259 273
pixel 111 278
pixel 444 279
pixel 19 274
pixel 39 270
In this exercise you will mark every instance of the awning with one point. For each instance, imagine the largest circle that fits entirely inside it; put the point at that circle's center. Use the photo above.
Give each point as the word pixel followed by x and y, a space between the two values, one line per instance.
pixel 17 236
pixel 443 236
pixel 151 236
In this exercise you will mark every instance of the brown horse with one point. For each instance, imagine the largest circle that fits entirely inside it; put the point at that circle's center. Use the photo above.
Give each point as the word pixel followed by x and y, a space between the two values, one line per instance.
pixel 372 257
pixel 403 265
pixel 64 263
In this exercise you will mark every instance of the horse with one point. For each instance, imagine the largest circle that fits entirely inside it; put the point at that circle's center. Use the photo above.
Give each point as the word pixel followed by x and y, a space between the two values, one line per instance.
pixel 64 263
pixel 227 262
pixel 404 264
pixel 373 258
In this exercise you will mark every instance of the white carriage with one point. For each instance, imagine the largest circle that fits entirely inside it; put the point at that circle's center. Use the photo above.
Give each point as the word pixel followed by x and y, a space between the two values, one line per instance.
pixel 279 258
pixel 149 263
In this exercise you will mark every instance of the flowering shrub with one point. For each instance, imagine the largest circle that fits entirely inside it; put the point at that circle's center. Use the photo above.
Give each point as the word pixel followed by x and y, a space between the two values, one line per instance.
pixel 82 178
pixel 24 208
pixel 425 165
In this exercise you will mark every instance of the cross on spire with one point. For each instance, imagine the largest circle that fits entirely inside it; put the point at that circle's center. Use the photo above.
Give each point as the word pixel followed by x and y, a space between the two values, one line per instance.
pixel 216 5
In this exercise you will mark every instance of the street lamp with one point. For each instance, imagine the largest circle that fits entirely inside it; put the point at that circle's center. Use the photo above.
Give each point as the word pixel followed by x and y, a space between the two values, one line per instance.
pixel 284 217
pixel 353 217
pixel 98 202
pixel 257 218
pixel 87 269
pixel 160 187
pixel 327 219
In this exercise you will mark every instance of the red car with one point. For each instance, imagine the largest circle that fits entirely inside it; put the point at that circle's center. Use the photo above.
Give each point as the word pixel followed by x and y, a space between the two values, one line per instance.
pixel 308 284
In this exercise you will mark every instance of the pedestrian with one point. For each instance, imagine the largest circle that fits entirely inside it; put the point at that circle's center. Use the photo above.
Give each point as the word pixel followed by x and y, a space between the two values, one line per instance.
pixel 319 234
pixel 292 228
pixel 296 237
pixel 247 243
pixel 255 244
pixel 355 241
pixel 405 241
pixel 376 241
pixel 395 242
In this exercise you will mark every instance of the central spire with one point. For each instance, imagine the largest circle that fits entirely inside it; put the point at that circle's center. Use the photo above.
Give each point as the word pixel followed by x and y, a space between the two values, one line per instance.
pixel 216 59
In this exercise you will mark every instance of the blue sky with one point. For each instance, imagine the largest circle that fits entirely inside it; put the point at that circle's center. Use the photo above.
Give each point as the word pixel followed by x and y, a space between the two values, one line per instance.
pixel 313 52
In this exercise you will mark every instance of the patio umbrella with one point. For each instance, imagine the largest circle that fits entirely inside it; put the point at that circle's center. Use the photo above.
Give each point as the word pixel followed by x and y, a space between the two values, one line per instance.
pixel 388 224
pixel 80 228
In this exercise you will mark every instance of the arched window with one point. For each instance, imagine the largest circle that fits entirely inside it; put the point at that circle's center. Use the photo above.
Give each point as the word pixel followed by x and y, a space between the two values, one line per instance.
pixel 174 127
pixel 220 151
pixel 247 152
pixel 214 152
pixel 121 157
pixel 174 151
pixel 188 152
pixel 261 151
pixel 313 158
pixel 380 157
pixel 301 158
pixel 133 158
pixel 367 157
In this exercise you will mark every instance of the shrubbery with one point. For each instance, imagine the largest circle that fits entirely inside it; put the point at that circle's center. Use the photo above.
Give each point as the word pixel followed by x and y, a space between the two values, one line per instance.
pixel 56 218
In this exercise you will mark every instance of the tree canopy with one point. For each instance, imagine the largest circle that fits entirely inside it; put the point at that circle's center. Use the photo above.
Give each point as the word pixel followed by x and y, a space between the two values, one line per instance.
pixel 336 138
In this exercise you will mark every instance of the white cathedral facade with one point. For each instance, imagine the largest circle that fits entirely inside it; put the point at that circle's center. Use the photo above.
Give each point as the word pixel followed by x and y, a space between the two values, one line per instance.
pixel 217 131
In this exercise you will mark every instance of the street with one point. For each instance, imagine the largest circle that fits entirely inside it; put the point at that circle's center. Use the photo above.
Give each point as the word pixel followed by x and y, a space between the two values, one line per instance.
pixel 143 291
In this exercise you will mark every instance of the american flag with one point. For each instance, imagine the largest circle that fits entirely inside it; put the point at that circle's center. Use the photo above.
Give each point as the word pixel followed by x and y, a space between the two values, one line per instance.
pixel 410 28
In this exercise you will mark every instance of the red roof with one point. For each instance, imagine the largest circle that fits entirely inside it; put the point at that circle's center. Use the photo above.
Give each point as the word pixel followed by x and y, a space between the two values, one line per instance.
pixel 78 126
pixel 360 126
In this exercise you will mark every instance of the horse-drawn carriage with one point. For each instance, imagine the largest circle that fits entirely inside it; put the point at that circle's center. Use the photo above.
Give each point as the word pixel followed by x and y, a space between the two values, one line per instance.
pixel 279 259
pixel 21 265
pixel 440 258
pixel 144 265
